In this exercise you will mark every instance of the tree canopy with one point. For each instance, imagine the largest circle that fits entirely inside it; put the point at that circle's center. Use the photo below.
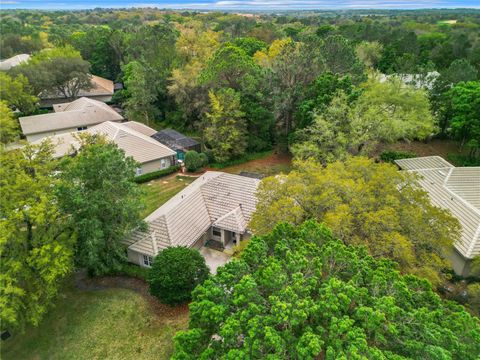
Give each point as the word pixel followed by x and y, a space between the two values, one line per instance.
pixel 299 293
pixel 57 72
pixel 36 241
pixel 364 203
pixel 103 203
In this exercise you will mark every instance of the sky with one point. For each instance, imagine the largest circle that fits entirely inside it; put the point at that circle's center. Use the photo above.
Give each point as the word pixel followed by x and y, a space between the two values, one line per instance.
pixel 241 4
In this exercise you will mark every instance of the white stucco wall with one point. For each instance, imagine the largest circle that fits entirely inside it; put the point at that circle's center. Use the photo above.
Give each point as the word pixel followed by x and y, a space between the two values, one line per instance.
pixel 155 165
pixel 460 264
pixel 35 137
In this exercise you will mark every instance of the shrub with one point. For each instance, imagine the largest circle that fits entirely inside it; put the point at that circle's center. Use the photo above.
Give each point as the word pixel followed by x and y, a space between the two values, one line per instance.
pixel 175 273
pixel 156 174
pixel 210 157
pixel 391 156
pixel 463 160
pixel 195 161
pixel 131 270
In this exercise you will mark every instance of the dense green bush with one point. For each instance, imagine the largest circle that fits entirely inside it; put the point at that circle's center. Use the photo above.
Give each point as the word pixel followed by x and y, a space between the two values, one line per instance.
pixel 156 174
pixel 175 273
pixel 391 156
pixel 299 293
pixel 463 160
pixel 195 161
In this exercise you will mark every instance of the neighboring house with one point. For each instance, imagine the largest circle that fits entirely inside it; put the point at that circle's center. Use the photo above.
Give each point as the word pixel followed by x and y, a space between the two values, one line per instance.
pixel 129 137
pixel 102 90
pixel 216 207
pixel 16 60
pixel 418 81
pixel 456 189
pixel 177 141
pixel 68 117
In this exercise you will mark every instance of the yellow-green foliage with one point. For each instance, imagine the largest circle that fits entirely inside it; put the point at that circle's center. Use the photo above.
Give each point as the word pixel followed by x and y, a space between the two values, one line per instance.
pixel 363 203
pixel 36 245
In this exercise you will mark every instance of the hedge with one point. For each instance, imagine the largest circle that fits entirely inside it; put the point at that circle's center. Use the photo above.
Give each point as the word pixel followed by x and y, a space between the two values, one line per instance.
pixel 463 160
pixel 391 156
pixel 131 270
pixel 156 174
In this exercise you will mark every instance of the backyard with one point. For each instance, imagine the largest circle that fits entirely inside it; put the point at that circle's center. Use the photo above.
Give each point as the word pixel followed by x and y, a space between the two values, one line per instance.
pixel 158 192
pixel 101 323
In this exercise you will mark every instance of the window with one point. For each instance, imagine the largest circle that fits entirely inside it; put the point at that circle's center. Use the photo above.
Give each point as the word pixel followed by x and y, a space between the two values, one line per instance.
pixel 216 232
pixel 163 163
pixel 147 260
pixel 139 171
pixel 81 128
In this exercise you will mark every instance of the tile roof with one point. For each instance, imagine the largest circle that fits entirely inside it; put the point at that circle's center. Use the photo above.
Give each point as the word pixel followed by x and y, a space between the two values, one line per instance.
pixel 174 140
pixel 100 87
pixel 81 112
pixel 16 60
pixel 456 189
pixel 135 144
pixel 215 198
pixel 142 128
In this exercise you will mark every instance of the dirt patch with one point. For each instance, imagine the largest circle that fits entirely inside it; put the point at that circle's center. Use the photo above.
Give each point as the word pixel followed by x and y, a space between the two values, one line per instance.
pixel 434 147
pixel 269 165
pixel 163 311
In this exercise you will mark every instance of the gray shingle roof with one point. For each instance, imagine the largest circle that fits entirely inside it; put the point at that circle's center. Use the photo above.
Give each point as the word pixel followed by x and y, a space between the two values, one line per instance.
pixel 215 198
pixel 453 188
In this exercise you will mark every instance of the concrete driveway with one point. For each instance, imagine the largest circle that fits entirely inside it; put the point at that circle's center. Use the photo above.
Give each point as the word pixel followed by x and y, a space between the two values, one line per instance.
pixel 214 258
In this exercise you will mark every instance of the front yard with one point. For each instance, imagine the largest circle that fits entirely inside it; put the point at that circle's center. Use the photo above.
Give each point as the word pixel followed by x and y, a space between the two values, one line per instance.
pixel 107 323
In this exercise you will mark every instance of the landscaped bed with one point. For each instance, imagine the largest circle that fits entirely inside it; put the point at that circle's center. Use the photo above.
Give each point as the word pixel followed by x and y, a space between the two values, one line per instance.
pixel 101 323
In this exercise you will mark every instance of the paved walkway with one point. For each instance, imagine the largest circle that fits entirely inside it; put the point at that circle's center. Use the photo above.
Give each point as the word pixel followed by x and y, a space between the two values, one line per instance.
pixel 214 258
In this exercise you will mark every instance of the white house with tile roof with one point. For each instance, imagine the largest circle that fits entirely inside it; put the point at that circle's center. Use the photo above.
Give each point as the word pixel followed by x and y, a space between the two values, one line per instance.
pixel 217 207
pixel 129 136
pixel 77 115
pixel 456 189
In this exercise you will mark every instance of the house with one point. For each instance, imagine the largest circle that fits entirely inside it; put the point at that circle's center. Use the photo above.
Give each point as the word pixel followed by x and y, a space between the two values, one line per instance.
pixel 418 81
pixel 215 208
pixel 456 189
pixel 16 60
pixel 129 136
pixel 177 141
pixel 102 90
pixel 68 117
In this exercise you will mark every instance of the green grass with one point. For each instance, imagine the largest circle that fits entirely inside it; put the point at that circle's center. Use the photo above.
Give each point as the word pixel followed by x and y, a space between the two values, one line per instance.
pixel 158 192
pixel 104 324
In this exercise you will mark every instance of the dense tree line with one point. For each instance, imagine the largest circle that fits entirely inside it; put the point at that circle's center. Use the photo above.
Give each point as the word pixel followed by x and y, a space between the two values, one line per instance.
pixel 276 70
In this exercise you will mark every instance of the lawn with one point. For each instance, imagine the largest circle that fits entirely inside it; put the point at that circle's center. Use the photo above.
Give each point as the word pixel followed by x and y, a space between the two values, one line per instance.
pixel 158 192
pixel 103 324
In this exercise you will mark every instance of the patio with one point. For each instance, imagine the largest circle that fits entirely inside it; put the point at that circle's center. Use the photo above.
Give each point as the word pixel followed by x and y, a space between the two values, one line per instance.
pixel 214 258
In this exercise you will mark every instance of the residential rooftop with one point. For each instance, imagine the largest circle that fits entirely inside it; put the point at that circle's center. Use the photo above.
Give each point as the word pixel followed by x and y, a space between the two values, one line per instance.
pixel 456 189
pixel 217 199
pixel 134 143
pixel 81 112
